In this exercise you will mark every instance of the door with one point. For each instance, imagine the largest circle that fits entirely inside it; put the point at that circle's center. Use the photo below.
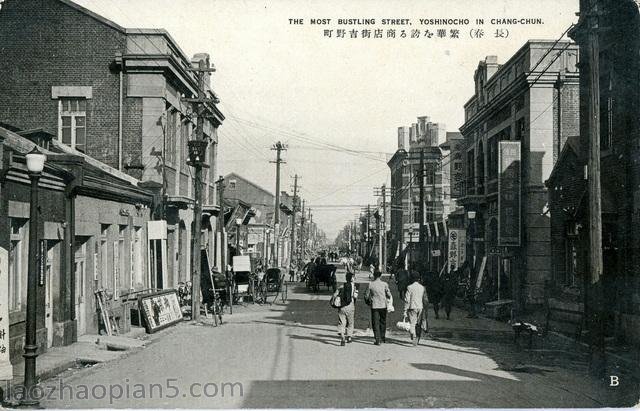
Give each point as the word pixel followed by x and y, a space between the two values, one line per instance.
pixel 48 303
pixel 80 269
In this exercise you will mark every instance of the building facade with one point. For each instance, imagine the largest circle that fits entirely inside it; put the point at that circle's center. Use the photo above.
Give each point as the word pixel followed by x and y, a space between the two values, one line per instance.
pixel 418 146
pixel 92 238
pixel 515 126
pixel 116 95
pixel 616 29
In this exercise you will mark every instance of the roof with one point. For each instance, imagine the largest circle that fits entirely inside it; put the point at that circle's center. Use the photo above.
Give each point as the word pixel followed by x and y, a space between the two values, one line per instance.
pixel 93 15
pixel 115 26
pixel 23 145
pixel 572 145
pixel 238 176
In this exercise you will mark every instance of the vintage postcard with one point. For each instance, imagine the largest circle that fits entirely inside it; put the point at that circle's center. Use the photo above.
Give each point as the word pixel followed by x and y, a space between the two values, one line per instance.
pixel 271 204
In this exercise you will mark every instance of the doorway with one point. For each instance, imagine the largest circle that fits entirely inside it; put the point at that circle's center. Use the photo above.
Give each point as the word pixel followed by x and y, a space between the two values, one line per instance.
pixel 80 273
pixel 48 299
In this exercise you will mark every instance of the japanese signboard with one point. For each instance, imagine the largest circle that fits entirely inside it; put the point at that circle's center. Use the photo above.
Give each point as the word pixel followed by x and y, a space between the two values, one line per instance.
pixel 509 193
pixel 411 232
pixel 160 310
pixel 255 235
pixel 6 370
pixel 457 248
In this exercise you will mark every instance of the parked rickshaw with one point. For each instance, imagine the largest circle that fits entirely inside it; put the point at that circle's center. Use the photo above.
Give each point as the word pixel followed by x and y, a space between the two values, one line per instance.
pixel 242 279
pixel 271 281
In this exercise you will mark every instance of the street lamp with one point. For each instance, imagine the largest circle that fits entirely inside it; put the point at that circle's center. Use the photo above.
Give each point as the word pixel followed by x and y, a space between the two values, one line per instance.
pixel 197 150
pixel 35 165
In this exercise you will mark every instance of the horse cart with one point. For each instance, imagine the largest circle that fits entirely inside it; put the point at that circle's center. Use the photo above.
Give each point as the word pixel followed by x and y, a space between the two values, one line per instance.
pixel 321 274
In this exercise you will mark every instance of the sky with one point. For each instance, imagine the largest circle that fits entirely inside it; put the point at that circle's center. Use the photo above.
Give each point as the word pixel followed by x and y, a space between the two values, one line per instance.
pixel 336 102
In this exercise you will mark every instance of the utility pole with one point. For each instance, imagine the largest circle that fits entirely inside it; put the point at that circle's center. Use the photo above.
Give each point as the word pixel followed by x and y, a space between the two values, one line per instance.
pixel 310 230
pixel 197 150
pixel 302 240
pixel 384 229
pixel 368 250
pixel 278 147
pixel 595 313
pixel 293 222
pixel 221 231
pixel 383 226
pixel 421 232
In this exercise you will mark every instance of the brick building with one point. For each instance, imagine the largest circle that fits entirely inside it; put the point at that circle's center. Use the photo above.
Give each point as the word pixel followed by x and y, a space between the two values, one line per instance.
pixel 114 94
pixel 91 233
pixel 261 242
pixel 515 126
pixel 619 130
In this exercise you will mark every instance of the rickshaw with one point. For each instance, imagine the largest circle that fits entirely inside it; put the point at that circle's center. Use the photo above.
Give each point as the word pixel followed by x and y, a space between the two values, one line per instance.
pixel 242 279
pixel 272 281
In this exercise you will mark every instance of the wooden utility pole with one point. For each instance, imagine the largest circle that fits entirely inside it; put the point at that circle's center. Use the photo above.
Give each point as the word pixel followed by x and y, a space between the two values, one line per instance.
pixel 302 240
pixel 278 147
pixel 310 230
pixel 595 300
pixel 197 163
pixel 421 229
pixel 221 232
pixel 293 223
pixel 384 230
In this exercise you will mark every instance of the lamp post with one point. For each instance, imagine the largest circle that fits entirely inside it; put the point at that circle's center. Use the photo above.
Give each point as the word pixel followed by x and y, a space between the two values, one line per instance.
pixel 197 149
pixel 35 165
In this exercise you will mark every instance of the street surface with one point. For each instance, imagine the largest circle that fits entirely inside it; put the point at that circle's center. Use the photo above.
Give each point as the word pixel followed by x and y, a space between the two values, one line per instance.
pixel 288 355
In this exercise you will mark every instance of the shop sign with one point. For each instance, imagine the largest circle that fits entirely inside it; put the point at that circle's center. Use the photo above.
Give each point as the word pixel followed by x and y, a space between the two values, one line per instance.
pixel 6 370
pixel 457 248
pixel 411 232
pixel 160 310
pixel 509 180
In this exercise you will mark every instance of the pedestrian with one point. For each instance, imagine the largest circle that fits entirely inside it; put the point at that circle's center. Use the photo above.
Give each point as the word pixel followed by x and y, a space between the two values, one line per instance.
pixel 433 286
pixel 377 296
pixel 415 307
pixel 449 290
pixel 346 313
pixel 402 281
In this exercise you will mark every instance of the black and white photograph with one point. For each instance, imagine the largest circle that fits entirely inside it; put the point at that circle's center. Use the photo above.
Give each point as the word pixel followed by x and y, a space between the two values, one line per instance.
pixel 303 204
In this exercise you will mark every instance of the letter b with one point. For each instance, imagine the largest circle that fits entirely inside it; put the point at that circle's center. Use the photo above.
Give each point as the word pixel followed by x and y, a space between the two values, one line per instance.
pixel 614 381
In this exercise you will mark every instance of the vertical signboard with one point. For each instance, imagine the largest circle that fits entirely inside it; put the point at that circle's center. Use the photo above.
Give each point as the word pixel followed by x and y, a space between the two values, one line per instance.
pixel 457 248
pixel 509 180
pixel 116 270
pixel 6 370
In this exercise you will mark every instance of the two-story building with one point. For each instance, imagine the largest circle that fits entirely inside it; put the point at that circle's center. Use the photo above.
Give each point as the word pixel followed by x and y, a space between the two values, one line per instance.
pixel 572 285
pixel 516 124
pixel 117 95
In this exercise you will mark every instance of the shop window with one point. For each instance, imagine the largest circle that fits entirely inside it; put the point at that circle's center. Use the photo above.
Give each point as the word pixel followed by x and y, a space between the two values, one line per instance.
pixel 184 137
pixel 72 122
pixel 80 266
pixel 104 259
pixel 571 261
pixel 136 256
pixel 118 261
pixel 171 136
pixel 18 263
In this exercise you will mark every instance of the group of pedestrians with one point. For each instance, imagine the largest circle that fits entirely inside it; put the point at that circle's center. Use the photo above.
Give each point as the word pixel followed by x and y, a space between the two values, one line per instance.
pixel 379 298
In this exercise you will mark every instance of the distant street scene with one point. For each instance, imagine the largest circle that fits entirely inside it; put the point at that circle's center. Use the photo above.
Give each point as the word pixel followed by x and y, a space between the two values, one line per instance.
pixel 295 204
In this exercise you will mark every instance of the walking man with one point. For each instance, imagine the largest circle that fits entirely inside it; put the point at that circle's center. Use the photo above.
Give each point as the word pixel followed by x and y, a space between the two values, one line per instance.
pixel 376 296
pixel 346 313
pixel 415 308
